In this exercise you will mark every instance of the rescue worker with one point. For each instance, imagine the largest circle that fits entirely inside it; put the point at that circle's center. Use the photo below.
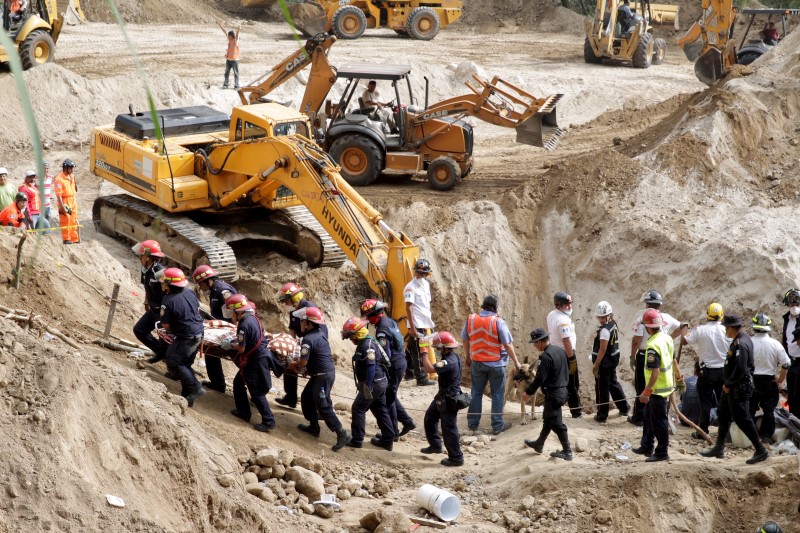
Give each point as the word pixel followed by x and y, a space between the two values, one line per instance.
pixel 605 359
pixel 652 300
pixel 369 371
pixel 736 392
pixel 254 361
pixel 552 376
pixel 624 16
pixel 440 410
pixel 561 331
pixel 417 296
pixel 231 57
pixel 315 358
pixel 150 255
pixel 292 297
pixel 65 189
pixel 388 335
pixel 487 348
pixel 770 364
pixel 16 11
pixel 15 214
pixel 31 191
pixel 711 347
pixel 659 384
pixel 218 293
pixel 790 323
pixel 769 527
pixel 180 315
pixel 7 191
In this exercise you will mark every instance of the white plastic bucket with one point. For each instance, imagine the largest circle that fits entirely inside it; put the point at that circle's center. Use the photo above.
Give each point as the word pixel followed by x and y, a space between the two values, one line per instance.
pixel 439 502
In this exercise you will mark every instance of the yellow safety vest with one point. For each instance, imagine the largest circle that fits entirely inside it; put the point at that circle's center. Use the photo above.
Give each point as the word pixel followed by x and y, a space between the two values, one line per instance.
pixel 662 344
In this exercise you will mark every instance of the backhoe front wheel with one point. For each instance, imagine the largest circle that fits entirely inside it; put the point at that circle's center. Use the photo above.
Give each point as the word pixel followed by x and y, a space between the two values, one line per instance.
pixel 360 158
pixel 423 24
pixel 659 51
pixel 643 55
pixel 588 53
pixel 349 22
pixel 443 173
pixel 38 48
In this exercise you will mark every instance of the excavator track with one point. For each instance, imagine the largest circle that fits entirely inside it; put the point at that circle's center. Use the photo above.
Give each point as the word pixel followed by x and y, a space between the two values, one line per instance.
pixel 332 256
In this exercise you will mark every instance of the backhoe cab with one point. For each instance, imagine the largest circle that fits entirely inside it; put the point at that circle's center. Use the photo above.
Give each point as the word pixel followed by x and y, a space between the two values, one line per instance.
pixel 615 36
pixel 34 30
pixel 759 43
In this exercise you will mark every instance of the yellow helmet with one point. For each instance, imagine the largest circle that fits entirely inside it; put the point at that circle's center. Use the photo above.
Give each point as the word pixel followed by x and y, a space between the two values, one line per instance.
pixel 714 311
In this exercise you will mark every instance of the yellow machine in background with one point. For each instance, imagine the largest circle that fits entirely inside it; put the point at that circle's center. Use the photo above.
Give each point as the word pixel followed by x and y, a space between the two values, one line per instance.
pixel 607 39
pixel 34 33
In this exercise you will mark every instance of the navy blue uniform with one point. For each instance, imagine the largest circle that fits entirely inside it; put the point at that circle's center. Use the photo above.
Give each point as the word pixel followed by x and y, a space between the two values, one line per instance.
pixel 606 385
pixel 217 295
pixel 290 380
pixel 368 373
pixel 449 372
pixel 315 399
pixel 391 340
pixel 154 296
pixel 181 311
pixel 254 365
pixel 734 404
pixel 552 375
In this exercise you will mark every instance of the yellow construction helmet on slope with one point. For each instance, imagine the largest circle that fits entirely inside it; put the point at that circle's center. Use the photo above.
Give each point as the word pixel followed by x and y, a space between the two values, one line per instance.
pixel 714 311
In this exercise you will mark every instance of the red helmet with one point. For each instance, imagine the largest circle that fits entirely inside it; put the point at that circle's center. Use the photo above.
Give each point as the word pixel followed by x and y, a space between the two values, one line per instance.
pixel 148 247
pixel 444 339
pixel 239 302
pixel 652 319
pixel 204 272
pixel 287 291
pixel 174 276
pixel 312 314
pixel 372 307
pixel 352 325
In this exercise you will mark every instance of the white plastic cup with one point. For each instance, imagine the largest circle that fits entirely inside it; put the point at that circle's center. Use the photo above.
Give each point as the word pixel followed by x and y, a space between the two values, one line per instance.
pixel 439 502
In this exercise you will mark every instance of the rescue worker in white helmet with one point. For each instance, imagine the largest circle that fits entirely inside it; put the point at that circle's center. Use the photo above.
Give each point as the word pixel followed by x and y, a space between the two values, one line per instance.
pixel 605 359
pixel 771 364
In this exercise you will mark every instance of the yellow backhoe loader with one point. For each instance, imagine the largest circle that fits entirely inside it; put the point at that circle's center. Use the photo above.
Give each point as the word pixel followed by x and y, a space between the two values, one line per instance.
pixel 35 30
pixel 211 179
pixel 615 35
pixel 432 138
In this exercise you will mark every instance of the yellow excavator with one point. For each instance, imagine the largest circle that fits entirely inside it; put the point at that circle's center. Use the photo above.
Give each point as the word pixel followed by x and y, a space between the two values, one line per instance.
pixel 433 138
pixel 211 180
pixel 622 31
pixel 35 29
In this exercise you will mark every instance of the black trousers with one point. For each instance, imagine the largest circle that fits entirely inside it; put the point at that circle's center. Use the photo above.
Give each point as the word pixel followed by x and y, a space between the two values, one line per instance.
pixel 397 412
pixel 765 396
pixel 552 419
pixel 143 330
pixel 315 401
pixel 709 391
pixel 449 434
pixel 793 385
pixel 377 406
pixel 607 387
pixel 413 356
pixel 290 389
pixel 180 358
pixel 734 407
pixel 656 425
pixel 255 379
pixel 573 389
pixel 215 373
pixel 639 384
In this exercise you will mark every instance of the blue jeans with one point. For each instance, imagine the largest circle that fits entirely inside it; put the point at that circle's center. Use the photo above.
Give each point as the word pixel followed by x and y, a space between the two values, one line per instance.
pixel 496 378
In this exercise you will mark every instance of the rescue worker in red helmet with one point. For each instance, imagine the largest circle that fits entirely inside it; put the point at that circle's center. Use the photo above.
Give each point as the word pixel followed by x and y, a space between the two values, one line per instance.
pixel 218 293
pixel 180 315
pixel 150 256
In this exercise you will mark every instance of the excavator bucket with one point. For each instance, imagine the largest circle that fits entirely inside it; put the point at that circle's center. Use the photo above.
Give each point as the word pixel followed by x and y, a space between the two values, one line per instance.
pixel 309 17
pixel 692 50
pixel 665 14
pixel 541 129
pixel 709 67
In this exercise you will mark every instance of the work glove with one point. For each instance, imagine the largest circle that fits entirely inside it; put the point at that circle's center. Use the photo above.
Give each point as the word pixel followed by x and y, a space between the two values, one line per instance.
pixel 226 344
pixel 573 364
pixel 366 391
pixel 68 210
pixel 680 385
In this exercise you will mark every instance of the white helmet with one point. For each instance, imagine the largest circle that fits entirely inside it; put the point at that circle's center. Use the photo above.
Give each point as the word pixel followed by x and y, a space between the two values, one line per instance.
pixel 3 170
pixel 603 309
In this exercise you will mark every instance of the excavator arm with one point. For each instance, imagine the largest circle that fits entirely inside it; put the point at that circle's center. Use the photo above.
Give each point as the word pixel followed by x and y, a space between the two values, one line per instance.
pixel 709 43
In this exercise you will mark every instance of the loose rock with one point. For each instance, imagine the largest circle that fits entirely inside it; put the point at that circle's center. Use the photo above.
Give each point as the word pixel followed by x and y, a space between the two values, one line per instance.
pixel 306 482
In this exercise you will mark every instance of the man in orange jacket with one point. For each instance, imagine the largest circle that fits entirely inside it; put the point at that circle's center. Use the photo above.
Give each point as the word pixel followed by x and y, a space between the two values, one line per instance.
pixel 65 189
pixel 15 214
pixel 231 57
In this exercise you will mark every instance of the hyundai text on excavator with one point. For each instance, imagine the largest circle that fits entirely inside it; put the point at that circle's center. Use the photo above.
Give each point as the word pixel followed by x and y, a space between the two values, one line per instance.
pixel 210 179
pixel 609 37
pixel 432 138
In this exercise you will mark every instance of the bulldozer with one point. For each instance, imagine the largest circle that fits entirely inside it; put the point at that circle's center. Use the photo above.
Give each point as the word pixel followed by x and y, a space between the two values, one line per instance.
pixel 433 138
pixel 609 36
pixel 35 31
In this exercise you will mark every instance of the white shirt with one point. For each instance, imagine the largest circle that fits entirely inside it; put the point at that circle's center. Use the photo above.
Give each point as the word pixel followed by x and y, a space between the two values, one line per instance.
pixel 794 349
pixel 371 96
pixel 710 343
pixel 768 355
pixel 671 325
pixel 418 294
pixel 560 326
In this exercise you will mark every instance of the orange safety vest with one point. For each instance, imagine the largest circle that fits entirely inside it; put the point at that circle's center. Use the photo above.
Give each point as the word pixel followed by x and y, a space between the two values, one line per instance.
pixel 12 216
pixel 64 186
pixel 233 49
pixel 484 342
pixel 33 198
pixel 15 6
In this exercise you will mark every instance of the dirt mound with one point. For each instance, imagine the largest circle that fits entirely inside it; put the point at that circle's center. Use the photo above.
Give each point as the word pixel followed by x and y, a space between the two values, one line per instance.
pixel 155 11
pixel 512 15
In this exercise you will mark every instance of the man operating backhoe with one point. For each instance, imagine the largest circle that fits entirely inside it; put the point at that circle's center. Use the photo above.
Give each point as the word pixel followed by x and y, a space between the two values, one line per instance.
pixel 372 98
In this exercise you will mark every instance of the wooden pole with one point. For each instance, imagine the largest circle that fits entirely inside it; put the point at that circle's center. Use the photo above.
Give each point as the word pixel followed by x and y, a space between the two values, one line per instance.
pixel 111 310
pixel 18 269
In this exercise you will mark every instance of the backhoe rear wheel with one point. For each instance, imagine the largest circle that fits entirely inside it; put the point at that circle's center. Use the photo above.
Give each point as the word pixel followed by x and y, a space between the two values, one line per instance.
pixel 402 33
pixel 659 51
pixel 349 22
pixel 423 24
pixel 747 58
pixel 360 158
pixel 38 48
pixel 588 53
pixel 443 173
pixel 643 55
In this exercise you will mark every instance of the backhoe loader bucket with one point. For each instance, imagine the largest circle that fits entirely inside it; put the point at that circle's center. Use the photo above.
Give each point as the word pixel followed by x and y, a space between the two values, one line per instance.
pixel 541 129
pixel 709 67
pixel 692 50
pixel 309 17
pixel 665 14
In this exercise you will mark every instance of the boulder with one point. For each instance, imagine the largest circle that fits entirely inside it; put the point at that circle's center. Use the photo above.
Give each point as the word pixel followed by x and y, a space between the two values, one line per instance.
pixel 324 511
pixel 286 457
pixel 250 478
pixel 343 494
pixel 528 502
pixel 254 488
pixel 351 485
pixel 226 480
pixel 393 521
pixel 306 482
pixel 581 444
pixel 278 471
pixel 370 521
pixel 603 517
pixel 267 457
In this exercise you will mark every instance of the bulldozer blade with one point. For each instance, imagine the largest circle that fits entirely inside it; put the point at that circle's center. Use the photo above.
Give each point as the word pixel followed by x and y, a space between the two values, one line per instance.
pixel 309 17
pixel 709 68
pixel 541 129
pixel 692 50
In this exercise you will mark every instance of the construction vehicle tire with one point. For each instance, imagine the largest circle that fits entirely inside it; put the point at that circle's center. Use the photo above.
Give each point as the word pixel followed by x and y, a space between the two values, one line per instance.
pixel 659 51
pixel 443 173
pixel 643 55
pixel 423 24
pixel 349 22
pixel 360 158
pixel 747 58
pixel 38 48
pixel 588 53
pixel 401 33
pixel 467 171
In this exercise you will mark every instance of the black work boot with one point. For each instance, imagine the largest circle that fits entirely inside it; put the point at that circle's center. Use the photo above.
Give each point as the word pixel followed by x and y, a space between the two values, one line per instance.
pixel 155 359
pixel 311 429
pixel 537 446
pixel 342 438
pixel 565 454
pixel 286 403
pixel 761 455
pixel 717 451
pixel 194 395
